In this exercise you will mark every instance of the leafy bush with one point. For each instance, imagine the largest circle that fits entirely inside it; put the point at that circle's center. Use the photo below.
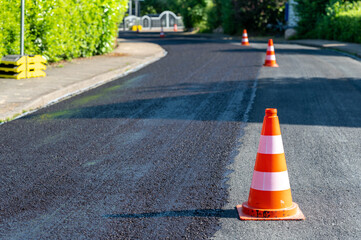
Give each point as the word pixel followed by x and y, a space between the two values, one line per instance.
pixel 309 12
pixel 254 15
pixel 342 22
pixel 192 11
pixel 228 17
pixel 61 29
pixel 9 27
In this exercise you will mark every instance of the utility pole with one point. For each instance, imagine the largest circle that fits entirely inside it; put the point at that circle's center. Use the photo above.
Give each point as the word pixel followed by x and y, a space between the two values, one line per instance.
pixel 22 28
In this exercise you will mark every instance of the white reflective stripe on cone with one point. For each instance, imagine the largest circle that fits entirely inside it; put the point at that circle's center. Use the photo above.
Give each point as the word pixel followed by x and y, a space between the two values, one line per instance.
pixel 271 48
pixel 270 144
pixel 270 57
pixel 244 35
pixel 270 181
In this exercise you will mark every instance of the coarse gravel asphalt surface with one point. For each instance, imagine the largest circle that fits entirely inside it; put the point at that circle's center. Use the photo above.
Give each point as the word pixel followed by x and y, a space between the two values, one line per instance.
pixel 168 152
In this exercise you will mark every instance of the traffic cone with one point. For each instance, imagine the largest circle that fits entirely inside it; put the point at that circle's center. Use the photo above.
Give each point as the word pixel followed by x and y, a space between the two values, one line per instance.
pixel 162 35
pixel 270 56
pixel 175 28
pixel 245 38
pixel 270 193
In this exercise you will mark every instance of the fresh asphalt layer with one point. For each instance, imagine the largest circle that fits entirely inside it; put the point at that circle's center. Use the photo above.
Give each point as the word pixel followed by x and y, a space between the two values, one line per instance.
pixel 168 151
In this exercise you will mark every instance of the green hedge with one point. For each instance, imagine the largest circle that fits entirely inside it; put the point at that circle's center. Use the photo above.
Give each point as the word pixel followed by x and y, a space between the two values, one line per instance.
pixel 342 22
pixel 61 29
pixel 254 15
pixel 310 12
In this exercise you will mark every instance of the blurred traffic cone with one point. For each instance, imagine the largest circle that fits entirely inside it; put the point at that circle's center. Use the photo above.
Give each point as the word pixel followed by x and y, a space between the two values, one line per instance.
pixel 270 55
pixel 162 35
pixel 175 28
pixel 245 38
pixel 270 194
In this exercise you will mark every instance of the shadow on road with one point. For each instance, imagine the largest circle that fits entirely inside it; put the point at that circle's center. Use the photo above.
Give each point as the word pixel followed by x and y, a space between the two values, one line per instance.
pixel 280 50
pixel 314 101
pixel 182 39
pixel 170 39
pixel 219 213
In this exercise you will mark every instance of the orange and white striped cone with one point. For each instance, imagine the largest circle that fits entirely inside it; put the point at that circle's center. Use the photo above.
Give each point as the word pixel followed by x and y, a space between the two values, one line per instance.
pixel 162 35
pixel 270 55
pixel 270 193
pixel 175 28
pixel 245 38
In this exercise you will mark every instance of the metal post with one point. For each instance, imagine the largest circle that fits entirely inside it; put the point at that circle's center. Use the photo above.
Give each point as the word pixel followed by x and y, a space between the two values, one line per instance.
pixel 136 8
pixel 22 28
pixel 130 8
pixel 139 10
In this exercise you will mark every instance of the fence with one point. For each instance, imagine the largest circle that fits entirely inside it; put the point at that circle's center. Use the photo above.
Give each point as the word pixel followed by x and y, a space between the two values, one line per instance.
pixel 166 19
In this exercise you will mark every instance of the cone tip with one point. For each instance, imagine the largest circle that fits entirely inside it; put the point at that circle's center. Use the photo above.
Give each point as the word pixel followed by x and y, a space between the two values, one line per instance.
pixel 271 112
pixel 244 31
pixel 270 42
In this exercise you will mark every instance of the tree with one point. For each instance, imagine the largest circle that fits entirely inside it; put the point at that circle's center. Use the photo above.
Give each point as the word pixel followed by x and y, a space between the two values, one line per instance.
pixel 156 6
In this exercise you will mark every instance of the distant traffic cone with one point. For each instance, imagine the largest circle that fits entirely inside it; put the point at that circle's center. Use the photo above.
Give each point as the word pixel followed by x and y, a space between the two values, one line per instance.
pixel 270 55
pixel 162 35
pixel 270 193
pixel 245 38
pixel 175 28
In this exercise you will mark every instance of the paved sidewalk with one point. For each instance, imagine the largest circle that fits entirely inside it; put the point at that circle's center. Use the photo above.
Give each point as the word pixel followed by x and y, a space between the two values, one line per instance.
pixel 20 96
pixel 350 48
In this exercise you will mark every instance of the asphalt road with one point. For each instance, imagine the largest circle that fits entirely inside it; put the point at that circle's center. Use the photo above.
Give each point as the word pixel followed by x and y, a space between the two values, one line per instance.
pixel 168 152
